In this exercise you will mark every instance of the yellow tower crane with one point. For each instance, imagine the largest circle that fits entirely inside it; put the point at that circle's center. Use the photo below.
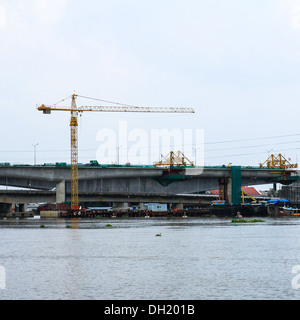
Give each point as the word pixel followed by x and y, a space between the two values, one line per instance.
pixel 74 132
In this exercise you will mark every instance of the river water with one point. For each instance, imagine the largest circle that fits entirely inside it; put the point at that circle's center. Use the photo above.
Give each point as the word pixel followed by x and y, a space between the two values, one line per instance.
pixel 193 258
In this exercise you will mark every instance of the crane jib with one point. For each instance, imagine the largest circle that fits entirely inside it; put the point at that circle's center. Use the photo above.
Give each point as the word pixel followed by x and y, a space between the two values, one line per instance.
pixel 47 110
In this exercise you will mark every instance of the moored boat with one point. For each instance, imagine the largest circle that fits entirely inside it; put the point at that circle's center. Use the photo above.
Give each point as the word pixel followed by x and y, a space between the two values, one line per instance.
pixel 289 211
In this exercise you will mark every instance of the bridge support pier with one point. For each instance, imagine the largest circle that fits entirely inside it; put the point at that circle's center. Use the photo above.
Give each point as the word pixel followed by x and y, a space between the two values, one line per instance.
pixel 235 185
pixel 5 208
pixel 120 205
pixel 22 207
pixel 60 191
pixel 15 209
pixel 230 188
pixel 11 207
pixel 179 206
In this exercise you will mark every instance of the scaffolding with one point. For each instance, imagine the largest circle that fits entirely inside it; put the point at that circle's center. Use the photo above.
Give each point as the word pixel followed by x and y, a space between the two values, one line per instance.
pixel 278 161
pixel 174 159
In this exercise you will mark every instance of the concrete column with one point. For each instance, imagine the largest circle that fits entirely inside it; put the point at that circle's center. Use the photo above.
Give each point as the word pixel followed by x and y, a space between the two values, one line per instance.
pixel 60 191
pixel 235 185
pixel 22 207
pixel 121 205
pixel 5 208
pixel 179 206
pixel 13 208
pixel 229 190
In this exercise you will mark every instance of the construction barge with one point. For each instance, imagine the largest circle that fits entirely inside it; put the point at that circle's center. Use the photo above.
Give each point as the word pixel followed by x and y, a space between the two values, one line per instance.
pixel 124 213
pixel 208 211
pixel 272 208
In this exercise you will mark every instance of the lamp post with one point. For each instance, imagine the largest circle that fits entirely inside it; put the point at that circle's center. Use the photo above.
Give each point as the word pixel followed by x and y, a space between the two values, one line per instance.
pixel 34 146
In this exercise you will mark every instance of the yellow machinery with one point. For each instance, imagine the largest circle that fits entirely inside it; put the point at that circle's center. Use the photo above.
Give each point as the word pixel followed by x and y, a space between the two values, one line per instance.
pixel 247 194
pixel 74 132
pixel 174 159
pixel 278 161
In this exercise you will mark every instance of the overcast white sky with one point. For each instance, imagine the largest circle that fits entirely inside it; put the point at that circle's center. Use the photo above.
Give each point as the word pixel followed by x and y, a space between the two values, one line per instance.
pixel 237 63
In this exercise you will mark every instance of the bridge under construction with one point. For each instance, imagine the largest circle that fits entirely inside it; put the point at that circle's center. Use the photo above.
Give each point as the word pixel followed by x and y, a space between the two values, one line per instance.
pixel 161 182
pixel 173 175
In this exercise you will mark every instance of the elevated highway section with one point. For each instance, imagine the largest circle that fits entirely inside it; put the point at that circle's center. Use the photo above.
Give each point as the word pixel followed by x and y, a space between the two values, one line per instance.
pixel 142 179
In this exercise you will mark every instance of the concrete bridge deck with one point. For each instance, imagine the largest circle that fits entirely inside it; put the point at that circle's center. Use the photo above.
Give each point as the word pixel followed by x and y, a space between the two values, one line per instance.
pixel 138 180
pixel 36 196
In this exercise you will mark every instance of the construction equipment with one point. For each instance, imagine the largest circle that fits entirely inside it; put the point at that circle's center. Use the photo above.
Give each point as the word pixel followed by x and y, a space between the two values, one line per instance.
pixel 223 186
pixel 174 159
pixel 74 132
pixel 278 161
pixel 244 193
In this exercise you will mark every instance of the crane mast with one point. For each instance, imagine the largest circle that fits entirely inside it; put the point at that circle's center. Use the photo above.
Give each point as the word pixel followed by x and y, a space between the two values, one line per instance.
pixel 74 131
pixel 74 156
